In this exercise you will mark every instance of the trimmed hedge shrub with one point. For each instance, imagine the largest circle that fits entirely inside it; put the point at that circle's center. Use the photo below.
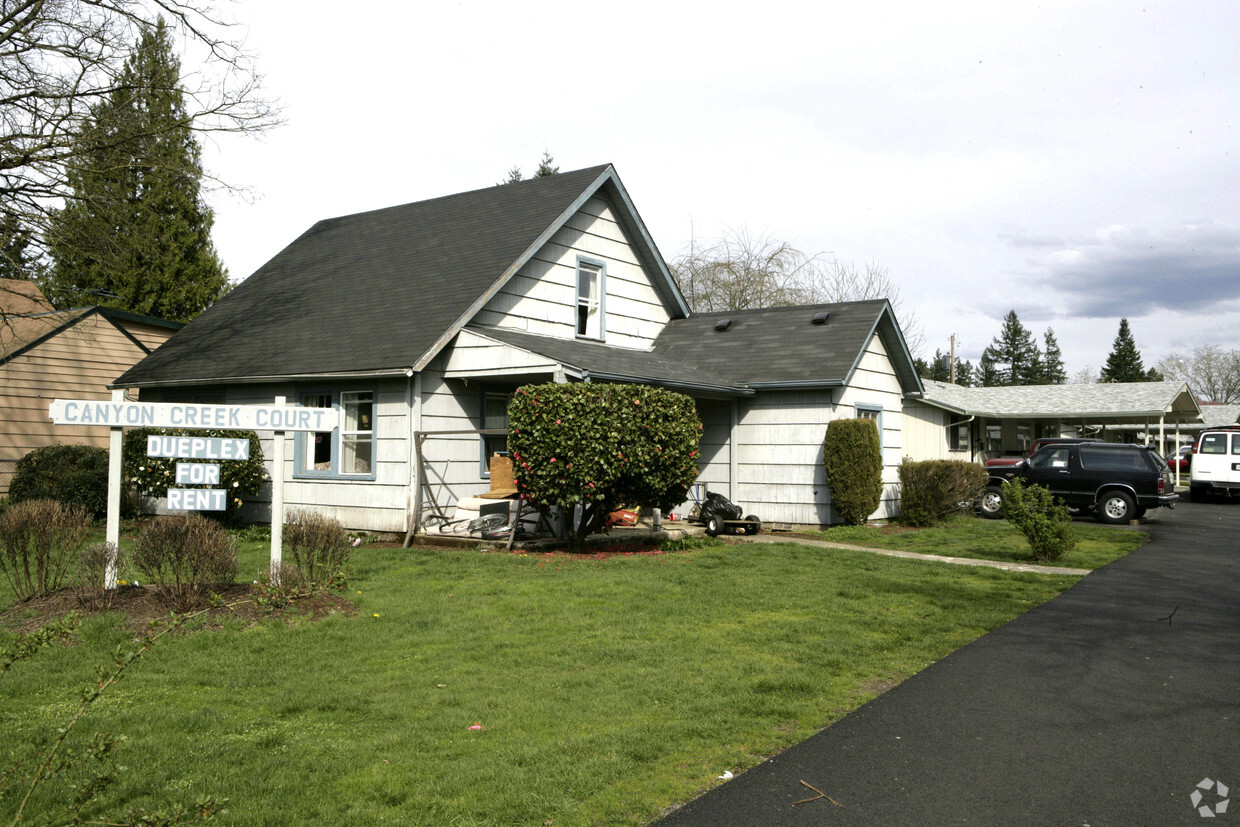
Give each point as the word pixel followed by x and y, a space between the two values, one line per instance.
pixel 154 475
pixel 602 446
pixel 935 489
pixel 76 474
pixel 39 540
pixel 853 458
pixel 1043 520
pixel 183 556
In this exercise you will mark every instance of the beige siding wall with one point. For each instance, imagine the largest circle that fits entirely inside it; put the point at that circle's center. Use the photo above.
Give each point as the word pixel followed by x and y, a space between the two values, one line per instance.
pixel 77 363
pixel 715 447
pixel 780 472
pixel 542 297
pixel 925 433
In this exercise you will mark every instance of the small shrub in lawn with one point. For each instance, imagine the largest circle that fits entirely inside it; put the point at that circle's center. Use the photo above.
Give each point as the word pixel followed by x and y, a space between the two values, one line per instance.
pixel 279 592
pixel 89 577
pixel 183 556
pixel 69 473
pixel 38 542
pixel 319 546
pixel 853 457
pixel 1043 520
pixel 691 543
pixel 934 490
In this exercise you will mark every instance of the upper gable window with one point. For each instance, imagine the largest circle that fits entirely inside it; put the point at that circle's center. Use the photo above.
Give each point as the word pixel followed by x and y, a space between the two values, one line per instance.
pixel 591 276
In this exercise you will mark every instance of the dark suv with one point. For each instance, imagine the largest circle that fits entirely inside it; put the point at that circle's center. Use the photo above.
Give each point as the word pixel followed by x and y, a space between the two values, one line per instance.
pixel 1116 482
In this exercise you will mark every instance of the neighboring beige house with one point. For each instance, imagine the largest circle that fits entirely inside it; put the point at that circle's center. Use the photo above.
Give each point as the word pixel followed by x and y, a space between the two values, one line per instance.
pixel 45 354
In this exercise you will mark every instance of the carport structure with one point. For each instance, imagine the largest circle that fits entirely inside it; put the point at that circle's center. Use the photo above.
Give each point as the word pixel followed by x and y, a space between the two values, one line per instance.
pixel 1005 420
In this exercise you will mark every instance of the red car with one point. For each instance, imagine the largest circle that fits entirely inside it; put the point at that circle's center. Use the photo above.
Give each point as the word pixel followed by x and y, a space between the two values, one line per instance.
pixel 1181 460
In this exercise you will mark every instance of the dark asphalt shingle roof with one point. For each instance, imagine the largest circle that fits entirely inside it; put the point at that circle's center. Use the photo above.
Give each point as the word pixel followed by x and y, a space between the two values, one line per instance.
pixel 380 291
pixel 782 345
pixel 778 346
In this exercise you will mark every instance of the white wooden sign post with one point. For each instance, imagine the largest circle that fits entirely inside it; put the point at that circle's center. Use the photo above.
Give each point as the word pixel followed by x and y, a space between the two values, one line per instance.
pixel 119 414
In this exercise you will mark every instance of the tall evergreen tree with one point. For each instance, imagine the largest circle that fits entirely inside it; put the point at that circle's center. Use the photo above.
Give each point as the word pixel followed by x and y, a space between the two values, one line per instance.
pixel 1124 363
pixel 1012 358
pixel 1053 371
pixel 16 260
pixel 546 166
pixel 136 234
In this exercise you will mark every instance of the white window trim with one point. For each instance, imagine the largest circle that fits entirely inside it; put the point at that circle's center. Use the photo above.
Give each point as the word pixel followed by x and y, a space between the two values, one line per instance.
pixel 600 317
pixel 300 444
pixel 860 411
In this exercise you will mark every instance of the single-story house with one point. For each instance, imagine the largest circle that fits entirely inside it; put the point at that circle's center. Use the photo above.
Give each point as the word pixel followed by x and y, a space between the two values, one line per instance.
pixel 419 321
pixel 955 422
pixel 45 354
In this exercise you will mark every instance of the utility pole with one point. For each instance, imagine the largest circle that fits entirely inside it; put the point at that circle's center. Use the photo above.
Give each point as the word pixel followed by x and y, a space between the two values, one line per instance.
pixel 953 368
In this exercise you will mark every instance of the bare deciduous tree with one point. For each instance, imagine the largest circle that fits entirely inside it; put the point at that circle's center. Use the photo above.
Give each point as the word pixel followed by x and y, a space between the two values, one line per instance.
pixel 739 271
pixel 1211 372
pixel 58 58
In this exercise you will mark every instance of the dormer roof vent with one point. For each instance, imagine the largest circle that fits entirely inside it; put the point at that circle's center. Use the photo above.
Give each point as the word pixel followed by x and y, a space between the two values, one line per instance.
pixel 819 318
pixel 723 324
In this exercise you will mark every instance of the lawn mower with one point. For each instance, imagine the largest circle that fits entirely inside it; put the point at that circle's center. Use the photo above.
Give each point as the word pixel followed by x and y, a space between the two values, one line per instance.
pixel 722 516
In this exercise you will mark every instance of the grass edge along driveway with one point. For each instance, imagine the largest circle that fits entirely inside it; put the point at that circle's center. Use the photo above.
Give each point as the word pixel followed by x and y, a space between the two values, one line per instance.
pixel 516 688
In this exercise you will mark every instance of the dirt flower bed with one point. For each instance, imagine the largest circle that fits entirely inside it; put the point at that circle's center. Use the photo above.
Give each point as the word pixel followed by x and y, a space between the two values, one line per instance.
pixel 141 606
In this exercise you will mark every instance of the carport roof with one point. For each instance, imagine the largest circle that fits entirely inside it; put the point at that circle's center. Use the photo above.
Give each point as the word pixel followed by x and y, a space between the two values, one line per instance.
pixel 1115 402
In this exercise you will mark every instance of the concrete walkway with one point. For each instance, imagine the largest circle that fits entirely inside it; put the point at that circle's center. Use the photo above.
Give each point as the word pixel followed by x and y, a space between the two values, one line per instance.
pixel 1115 703
pixel 912 555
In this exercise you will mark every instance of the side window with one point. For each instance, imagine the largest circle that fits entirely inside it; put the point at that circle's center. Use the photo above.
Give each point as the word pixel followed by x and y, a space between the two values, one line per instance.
pixel 494 415
pixel 1213 444
pixel 958 437
pixel 345 453
pixel 1051 458
pixel 1235 443
pixel 590 291
pixel 994 439
pixel 874 412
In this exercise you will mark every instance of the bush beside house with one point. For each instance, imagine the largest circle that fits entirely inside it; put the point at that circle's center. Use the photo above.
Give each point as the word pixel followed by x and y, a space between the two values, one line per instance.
pixel 853 457
pixel 602 446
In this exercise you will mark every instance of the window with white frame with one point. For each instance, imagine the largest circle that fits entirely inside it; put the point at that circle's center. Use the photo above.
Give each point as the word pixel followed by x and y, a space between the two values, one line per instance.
pixel 348 451
pixel 591 276
pixel 958 437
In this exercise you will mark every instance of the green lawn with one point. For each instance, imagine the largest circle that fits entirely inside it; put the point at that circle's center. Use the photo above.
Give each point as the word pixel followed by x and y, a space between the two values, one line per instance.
pixel 606 689
pixel 979 539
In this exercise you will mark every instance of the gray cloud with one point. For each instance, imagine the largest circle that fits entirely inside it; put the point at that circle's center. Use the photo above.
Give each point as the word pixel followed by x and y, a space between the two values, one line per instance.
pixel 1132 271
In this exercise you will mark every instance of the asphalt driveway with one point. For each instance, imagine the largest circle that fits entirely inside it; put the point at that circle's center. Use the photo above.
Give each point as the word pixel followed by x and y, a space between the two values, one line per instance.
pixel 1108 705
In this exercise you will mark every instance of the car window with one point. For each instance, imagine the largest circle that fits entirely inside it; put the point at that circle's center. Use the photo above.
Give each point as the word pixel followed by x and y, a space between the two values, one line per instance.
pixel 1235 443
pixel 1050 458
pixel 1213 444
pixel 1112 459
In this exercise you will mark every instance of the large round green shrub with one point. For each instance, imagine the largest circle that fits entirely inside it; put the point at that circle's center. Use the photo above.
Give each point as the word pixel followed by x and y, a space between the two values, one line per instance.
pixel 71 474
pixel 602 446
pixel 853 457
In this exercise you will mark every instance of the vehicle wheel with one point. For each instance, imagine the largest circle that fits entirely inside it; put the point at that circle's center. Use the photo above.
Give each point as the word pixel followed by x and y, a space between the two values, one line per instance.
pixel 1116 508
pixel 715 526
pixel 755 525
pixel 992 502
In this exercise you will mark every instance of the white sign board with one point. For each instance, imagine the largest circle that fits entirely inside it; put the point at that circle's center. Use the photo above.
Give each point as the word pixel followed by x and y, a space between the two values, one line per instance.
pixel 197 447
pixel 198 473
pixel 196 499
pixel 178 415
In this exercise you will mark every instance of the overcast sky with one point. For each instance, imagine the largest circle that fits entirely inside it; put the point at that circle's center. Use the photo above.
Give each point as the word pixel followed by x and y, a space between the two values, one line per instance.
pixel 1076 162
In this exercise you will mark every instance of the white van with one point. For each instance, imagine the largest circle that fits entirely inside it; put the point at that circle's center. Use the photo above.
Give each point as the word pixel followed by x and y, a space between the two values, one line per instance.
pixel 1215 468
